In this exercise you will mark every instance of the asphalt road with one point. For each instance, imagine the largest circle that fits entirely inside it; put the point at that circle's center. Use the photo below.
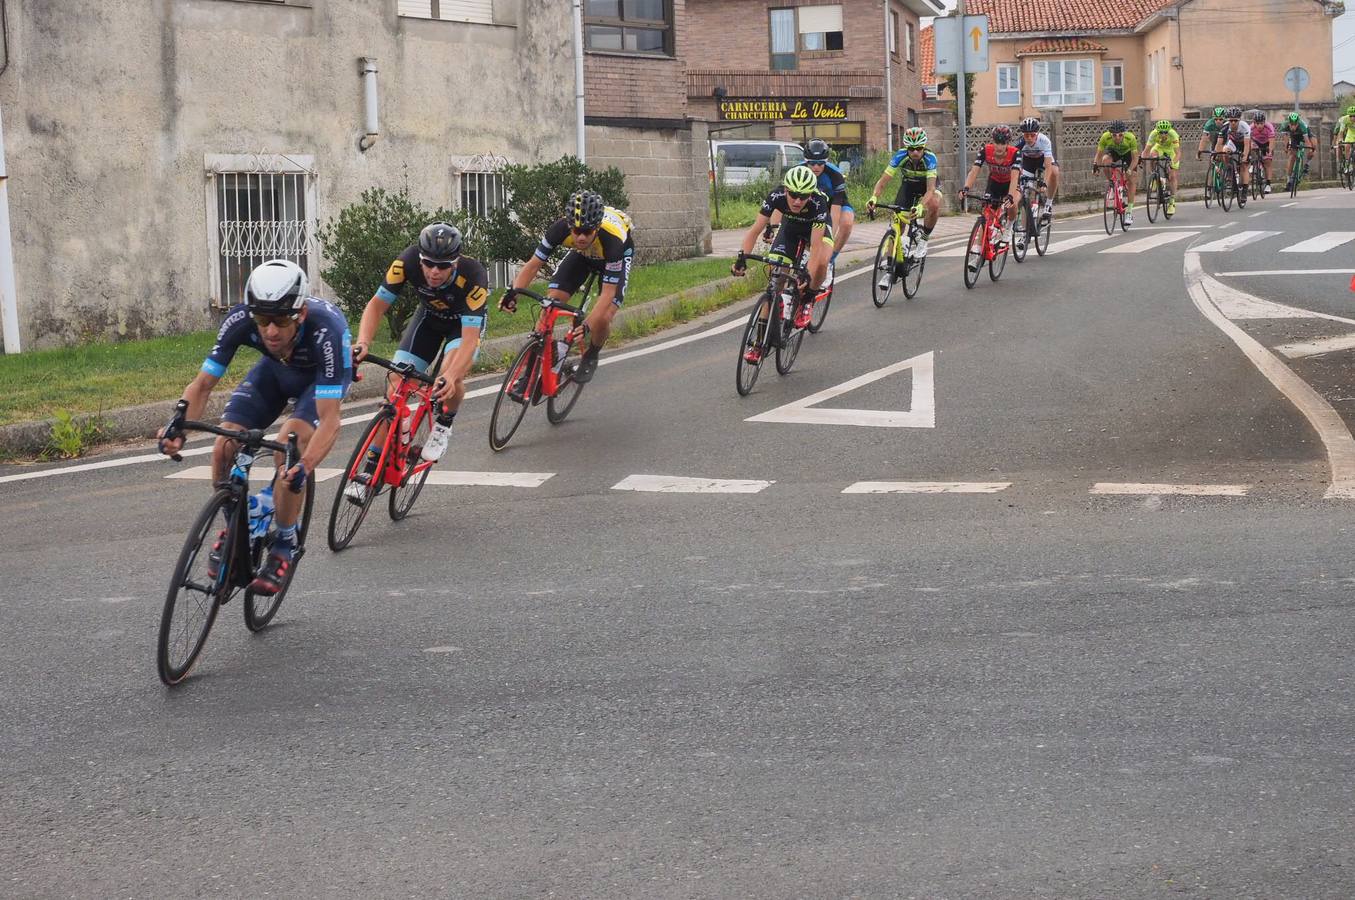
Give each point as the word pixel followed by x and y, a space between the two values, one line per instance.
pixel 1112 659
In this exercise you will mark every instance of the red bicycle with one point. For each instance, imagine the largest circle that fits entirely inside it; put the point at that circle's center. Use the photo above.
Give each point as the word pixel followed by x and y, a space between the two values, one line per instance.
pixel 985 240
pixel 408 416
pixel 542 370
pixel 1117 195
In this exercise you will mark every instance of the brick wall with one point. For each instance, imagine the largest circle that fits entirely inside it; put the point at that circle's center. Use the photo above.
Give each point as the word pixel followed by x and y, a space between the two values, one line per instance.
pixel 618 85
pixel 667 174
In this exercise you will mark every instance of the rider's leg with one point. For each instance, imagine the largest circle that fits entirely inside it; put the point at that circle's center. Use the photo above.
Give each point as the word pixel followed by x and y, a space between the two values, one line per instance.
pixel 288 505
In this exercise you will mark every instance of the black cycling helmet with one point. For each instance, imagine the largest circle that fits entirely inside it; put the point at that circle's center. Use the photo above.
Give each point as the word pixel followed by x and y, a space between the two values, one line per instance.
pixel 277 288
pixel 1002 134
pixel 440 242
pixel 1117 127
pixel 1258 116
pixel 583 209
pixel 816 151
pixel 1030 123
pixel 1234 112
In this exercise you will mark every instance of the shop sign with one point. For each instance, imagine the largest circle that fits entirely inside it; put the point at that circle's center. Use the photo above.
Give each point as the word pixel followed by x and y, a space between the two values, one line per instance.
pixel 760 110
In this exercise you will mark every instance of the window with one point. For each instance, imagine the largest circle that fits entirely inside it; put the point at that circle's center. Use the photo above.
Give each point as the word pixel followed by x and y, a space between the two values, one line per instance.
pixel 259 207
pixel 893 36
pixel 480 11
pixel 1008 84
pixel 481 192
pixel 783 38
pixel 628 26
pixel 1063 82
pixel 1112 82
pixel 820 27
pixel 908 44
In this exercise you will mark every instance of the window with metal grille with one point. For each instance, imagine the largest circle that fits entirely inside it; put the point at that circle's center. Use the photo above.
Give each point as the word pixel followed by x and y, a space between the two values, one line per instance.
pixel 481 192
pixel 259 207
pixel 477 11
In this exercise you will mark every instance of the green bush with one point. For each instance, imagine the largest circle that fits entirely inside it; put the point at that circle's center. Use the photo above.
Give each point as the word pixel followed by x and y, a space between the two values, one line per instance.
pixel 70 438
pixel 536 196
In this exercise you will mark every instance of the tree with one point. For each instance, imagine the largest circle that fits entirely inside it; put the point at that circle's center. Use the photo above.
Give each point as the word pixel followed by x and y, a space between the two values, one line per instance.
pixel 968 93
pixel 536 196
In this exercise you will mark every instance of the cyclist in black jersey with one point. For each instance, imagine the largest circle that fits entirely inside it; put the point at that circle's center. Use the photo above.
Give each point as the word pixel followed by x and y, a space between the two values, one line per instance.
pixel 452 291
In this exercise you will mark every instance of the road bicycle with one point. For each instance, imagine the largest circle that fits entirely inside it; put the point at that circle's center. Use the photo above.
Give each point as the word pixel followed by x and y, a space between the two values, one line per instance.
pixel 1116 197
pixel 1220 180
pixel 196 593
pixel 1256 168
pixel 407 417
pixel 1297 169
pixel 985 239
pixel 1158 179
pixel 543 369
pixel 1345 170
pixel 1029 226
pixel 894 258
pixel 771 324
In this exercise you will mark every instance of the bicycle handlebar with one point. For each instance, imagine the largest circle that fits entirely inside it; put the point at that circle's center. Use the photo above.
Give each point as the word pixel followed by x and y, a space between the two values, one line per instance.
pixel 794 266
pixel 550 302
pixel 403 369
pixel 250 437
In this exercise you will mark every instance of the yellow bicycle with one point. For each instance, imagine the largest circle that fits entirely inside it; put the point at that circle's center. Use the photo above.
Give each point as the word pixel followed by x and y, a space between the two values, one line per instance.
pixel 894 261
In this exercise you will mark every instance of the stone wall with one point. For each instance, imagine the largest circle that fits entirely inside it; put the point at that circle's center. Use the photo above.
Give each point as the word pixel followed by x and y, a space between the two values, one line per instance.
pixel 667 181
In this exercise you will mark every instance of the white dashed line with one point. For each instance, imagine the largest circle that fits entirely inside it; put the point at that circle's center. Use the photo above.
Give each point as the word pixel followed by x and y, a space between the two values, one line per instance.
pixel 927 487
pixel 676 484
pixel 1184 490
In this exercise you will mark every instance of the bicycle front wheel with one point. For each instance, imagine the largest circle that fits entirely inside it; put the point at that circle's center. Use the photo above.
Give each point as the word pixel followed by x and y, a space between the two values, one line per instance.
pixel 261 608
pixel 973 255
pixel 1225 192
pixel 788 349
pixel 1209 189
pixel 194 596
pixel 345 515
pixel 1153 201
pixel 820 311
pixel 1108 210
pixel 1022 226
pixel 509 409
pixel 753 347
pixel 884 270
pixel 997 262
pixel 1042 232
pixel 416 469
pixel 912 275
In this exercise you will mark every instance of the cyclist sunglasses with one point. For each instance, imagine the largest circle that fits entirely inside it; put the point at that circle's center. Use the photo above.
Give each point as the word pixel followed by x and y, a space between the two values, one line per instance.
pixel 264 321
pixel 582 231
pixel 437 263
pixel 795 196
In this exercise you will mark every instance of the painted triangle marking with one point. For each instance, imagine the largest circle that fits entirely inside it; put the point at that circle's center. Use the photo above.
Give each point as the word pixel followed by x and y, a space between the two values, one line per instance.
pixel 1300 349
pixel 922 414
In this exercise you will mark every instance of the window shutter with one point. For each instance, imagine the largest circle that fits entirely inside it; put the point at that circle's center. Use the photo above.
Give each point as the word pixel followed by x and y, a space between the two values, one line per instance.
pixel 818 19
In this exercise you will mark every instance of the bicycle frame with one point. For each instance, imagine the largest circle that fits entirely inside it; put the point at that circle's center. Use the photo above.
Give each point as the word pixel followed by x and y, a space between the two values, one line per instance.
pixel 393 468
pixel 992 215
pixel 552 311
pixel 1118 185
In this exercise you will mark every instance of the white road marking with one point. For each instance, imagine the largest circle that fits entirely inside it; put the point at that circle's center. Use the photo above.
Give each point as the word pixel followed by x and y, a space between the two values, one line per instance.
pixel 921 415
pixel 1148 243
pixel 1336 437
pixel 1322 243
pixel 677 484
pixel 1233 241
pixel 1137 228
pixel 954 251
pixel 1261 213
pixel 1229 225
pixel 445 649
pixel 1289 204
pixel 1079 241
pixel 927 487
pixel 489 479
pixel 1300 349
pixel 1236 304
pixel 1184 490
pixel 1286 272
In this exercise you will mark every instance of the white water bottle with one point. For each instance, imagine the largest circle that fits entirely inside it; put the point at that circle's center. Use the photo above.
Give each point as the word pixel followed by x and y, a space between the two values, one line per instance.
pixel 787 305
pixel 561 348
pixel 260 512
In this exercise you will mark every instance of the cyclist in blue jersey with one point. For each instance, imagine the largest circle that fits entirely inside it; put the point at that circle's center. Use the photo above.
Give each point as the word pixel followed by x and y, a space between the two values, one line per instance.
pixel 305 346
pixel 916 167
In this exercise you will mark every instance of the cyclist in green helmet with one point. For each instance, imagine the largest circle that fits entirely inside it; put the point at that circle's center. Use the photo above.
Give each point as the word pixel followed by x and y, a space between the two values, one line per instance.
pixel 916 168
pixel 1343 135
pixel 1297 133
pixel 1164 140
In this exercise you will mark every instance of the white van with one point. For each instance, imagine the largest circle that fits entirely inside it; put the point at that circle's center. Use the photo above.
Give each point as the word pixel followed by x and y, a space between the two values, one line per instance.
pixel 746 161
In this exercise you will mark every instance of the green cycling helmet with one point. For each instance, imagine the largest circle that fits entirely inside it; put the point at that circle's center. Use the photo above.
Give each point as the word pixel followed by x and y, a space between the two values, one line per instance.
pixel 800 180
pixel 1163 126
pixel 1350 110
pixel 1292 118
pixel 913 138
pixel 1220 112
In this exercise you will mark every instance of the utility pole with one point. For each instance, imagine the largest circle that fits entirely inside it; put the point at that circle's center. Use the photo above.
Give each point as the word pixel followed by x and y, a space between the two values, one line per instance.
pixel 9 300
pixel 578 79
pixel 889 85
pixel 961 114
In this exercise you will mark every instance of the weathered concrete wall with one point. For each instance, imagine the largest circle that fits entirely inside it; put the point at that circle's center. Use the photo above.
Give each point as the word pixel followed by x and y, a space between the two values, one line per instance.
pixel 667 182
pixel 111 108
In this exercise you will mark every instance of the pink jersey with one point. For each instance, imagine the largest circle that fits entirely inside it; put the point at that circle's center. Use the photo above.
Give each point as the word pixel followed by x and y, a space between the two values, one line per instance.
pixel 1262 133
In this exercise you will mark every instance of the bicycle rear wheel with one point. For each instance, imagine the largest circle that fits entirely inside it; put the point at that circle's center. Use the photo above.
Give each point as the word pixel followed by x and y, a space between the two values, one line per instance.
pixel 194 598
pixel 755 343
pixel 820 312
pixel 509 410
pixel 1153 202
pixel 403 495
pixel 344 515
pixel 884 268
pixel 1023 225
pixel 1043 229
pixel 973 255
pixel 261 608
pixel 789 346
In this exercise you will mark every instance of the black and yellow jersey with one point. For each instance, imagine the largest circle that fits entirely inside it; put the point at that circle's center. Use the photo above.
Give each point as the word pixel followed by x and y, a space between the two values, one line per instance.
pixel 611 244
pixel 462 297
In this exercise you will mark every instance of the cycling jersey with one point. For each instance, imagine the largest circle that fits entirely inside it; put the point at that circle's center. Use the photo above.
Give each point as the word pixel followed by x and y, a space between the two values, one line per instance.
pixel 813 213
pixel 608 252
pixel 460 299
pixel 1035 154
pixel 903 166
pixel 1344 132
pixel 1124 148
pixel 1297 133
pixel 833 185
pixel 1262 133
pixel 999 162
pixel 1163 141
pixel 1215 126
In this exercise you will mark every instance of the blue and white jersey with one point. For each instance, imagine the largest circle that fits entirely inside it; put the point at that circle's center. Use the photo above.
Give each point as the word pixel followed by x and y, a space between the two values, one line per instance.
pixel 322 346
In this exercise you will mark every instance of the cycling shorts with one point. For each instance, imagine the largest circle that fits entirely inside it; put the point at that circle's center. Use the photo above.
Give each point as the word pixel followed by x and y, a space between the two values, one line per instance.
pixel 1123 156
pixel 998 188
pixel 911 192
pixel 793 236
pixel 1264 147
pixel 426 339
pixel 267 389
pixel 575 268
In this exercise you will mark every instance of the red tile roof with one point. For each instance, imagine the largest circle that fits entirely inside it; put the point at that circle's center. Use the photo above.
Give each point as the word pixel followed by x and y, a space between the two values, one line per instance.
pixel 1061 45
pixel 1065 15
pixel 926 51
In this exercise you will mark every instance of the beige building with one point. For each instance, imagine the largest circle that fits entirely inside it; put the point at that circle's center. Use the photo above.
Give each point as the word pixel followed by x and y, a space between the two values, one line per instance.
pixel 1099 59
pixel 157 151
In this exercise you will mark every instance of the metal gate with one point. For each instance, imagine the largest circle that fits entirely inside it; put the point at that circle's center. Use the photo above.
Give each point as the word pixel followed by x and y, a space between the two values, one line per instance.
pixel 482 190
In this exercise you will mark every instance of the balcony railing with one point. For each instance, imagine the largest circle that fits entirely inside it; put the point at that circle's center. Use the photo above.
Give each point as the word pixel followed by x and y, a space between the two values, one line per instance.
pixel 764 83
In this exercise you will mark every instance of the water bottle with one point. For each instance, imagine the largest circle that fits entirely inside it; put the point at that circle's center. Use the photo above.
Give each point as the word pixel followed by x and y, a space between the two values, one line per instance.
pixel 787 305
pixel 240 468
pixel 561 348
pixel 260 512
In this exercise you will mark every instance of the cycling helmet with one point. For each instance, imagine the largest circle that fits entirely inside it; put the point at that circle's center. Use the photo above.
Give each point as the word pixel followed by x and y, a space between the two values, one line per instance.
pixel 1030 123
pixel 1258 116
pixel 1117 127
pixel 914 137
pixel 816 151
pixel 800 180
pixel 1350 110
pixel 440 242
pixel 583 209
pixel 1220 112
pixel 1292 118
pixel 278 287
pixel 1002 134
pixel 1163 126
pixel 1234 112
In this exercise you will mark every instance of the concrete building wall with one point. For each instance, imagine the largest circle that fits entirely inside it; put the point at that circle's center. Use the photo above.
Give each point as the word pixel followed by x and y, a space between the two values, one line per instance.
pixel 112 109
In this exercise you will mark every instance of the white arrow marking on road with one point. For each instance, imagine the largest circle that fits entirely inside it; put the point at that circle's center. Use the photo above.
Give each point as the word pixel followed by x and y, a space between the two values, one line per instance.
pixel 1184 490
pixel 1148 243
pixel 927 487
pixel 677 484
pixel 1301 349
pixel 1322 243
pixel 1233 241
pixel 921 415
pixel 1079 241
